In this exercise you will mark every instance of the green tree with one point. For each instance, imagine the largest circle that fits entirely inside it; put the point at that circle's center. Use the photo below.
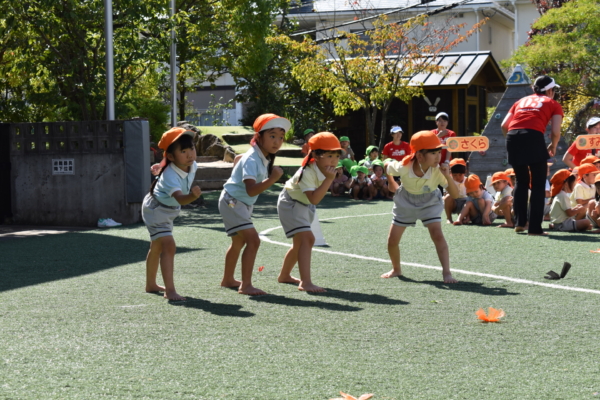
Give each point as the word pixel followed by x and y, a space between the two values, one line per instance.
pixel 356 73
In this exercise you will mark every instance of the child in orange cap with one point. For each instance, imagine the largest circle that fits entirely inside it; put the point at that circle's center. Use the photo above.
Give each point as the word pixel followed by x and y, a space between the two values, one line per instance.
pixel 252 174
pixel 564 216
pixel 503 198
pixel 172 188
pixel 297 203
pixel 584 191
pixel 593 207
pixel 478 209
pixel 419 198
pixel 458 168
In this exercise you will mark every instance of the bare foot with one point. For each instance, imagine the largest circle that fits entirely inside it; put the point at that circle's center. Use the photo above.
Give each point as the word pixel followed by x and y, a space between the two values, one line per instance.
pixel 251 291
pixel 154 288
pixel 505 226
pixel 392 274
pixel 288 279
pixel 457 223
pixel 449 279
pixel 230 283
pixel 538 234
pixel 311 288
pixel 449 221
pixel 173 296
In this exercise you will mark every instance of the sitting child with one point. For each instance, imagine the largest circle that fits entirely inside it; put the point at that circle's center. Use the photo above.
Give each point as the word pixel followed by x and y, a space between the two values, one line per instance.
pixel 360 183
pixel 379 189
pixel 564 216
pixel 503 199
pixel 347 151
pixel 371 155
pixel 584 191
pixel 478 209
pixel 458 168
pixel 593 208
pixel 340 183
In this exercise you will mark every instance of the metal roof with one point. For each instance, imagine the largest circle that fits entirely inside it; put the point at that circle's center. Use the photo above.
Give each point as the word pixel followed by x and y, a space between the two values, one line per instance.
pixel 459 69
pixel 327 6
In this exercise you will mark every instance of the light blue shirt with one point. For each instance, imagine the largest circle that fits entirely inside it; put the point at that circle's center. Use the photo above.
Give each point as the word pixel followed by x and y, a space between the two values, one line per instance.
pixel 171 180
pixel 253 165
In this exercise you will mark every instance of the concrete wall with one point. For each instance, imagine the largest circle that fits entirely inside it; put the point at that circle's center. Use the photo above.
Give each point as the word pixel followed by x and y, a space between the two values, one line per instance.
pixel 105 172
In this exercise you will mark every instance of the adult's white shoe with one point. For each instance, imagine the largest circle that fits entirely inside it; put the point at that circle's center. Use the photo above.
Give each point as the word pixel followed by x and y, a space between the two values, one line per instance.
pixel 107 223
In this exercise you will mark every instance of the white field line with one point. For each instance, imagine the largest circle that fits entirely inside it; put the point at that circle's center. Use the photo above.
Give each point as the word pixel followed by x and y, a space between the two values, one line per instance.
pixel 454 270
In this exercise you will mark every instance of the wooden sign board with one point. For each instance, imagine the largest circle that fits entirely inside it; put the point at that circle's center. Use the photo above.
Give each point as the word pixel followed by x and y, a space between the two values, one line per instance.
pixel 467 143
pixel 587 142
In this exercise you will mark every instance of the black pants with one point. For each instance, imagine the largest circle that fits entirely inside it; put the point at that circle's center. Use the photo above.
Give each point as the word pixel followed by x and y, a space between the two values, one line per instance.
pixel 527 153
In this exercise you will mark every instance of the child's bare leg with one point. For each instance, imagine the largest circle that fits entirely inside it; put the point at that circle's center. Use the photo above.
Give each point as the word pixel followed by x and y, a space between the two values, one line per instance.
pixel 252 242
pixel 152 262
pixel 335 189
pixel 304 241
pixel 367 192
pixel 355 190
pixel 583 224
pixel 465 214
pixel 505 207
pixel 449 205
pixel 580 214
pixel 394 250
pixel 441 246
pixel 167 264
pixel 289 261
pixel 231 258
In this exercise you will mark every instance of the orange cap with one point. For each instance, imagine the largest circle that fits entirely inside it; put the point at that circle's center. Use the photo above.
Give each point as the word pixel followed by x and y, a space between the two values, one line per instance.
pixel 510 172
pixel 472 183
pixel 270 121
pixel 597 178
pixel 586 169
pixel 422 140
pixel 500 176
pixel 322 141
pixel 558 180
pixel 457 161
pixel 590 159
pixel 172 135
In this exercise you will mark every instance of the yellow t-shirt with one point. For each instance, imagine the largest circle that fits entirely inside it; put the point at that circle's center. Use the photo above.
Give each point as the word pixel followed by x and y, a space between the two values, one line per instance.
pixel 582 191
pixel 414 184
pixel 311 180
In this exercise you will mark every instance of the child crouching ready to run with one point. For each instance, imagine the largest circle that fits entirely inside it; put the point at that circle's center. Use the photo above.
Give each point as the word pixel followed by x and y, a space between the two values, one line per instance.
pixel 297 203
pixel 419 198
pixel 252 174
pixel 171 189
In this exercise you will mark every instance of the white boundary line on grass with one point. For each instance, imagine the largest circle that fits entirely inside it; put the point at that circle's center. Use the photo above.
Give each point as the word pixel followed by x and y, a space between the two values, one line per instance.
pixel 460 271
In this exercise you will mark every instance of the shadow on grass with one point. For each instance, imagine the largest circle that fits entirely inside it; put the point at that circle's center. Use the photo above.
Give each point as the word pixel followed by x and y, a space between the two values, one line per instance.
pixel 220 309
pixel 465 286
pixel 574 237
pixel 361 297
pixel 36 260
pixel 287 301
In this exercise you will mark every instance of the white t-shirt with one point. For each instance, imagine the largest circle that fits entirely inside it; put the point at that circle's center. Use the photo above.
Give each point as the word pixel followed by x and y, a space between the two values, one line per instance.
pixel 507 191
pixel 582 191
pixel 560 205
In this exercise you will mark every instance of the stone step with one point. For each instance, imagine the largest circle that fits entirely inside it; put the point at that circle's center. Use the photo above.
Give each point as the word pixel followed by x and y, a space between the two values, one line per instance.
pixel 210 184
pixel 214 170
pixel 290 152
pixel 237 138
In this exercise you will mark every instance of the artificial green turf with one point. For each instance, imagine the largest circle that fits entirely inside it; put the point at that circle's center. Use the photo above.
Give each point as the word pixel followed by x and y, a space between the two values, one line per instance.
pixel 76 324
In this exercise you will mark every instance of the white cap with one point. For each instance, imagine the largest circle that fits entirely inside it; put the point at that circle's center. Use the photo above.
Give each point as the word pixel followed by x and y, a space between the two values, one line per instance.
pixel 592 121
pixel 395 129
pixel 279 122
pixel 442 114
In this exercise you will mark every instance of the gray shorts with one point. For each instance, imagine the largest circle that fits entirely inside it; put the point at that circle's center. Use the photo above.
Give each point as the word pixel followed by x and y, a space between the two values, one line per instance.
pixel 236 215
pixel 295 217
pixel 592 220
pixel 158 217
pixel 408 208
pixel 568 225
pixel 478 220
pixel 460 203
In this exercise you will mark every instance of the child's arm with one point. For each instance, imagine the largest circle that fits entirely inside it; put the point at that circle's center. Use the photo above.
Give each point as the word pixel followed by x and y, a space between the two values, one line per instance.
pixel 574 210
pixel 485 215
pixel 315 196
pixel 254 189
pixel 184 199
pixel 583 202
pixel 451 188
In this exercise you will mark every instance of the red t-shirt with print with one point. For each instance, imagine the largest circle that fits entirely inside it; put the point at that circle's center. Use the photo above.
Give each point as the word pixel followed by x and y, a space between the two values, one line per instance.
pixel 533 112
pixel 577 154
pixel 397 152
pixel 443 139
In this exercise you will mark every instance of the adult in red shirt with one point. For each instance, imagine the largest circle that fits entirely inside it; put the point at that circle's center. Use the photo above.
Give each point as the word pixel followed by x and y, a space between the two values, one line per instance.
pixel 573 156
pixel 524 128
pixel 441 120
pixel 396 149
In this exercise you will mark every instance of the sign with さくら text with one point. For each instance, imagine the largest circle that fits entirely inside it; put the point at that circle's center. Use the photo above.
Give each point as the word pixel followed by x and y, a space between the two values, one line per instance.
pixel 587 142
pixel 467 143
